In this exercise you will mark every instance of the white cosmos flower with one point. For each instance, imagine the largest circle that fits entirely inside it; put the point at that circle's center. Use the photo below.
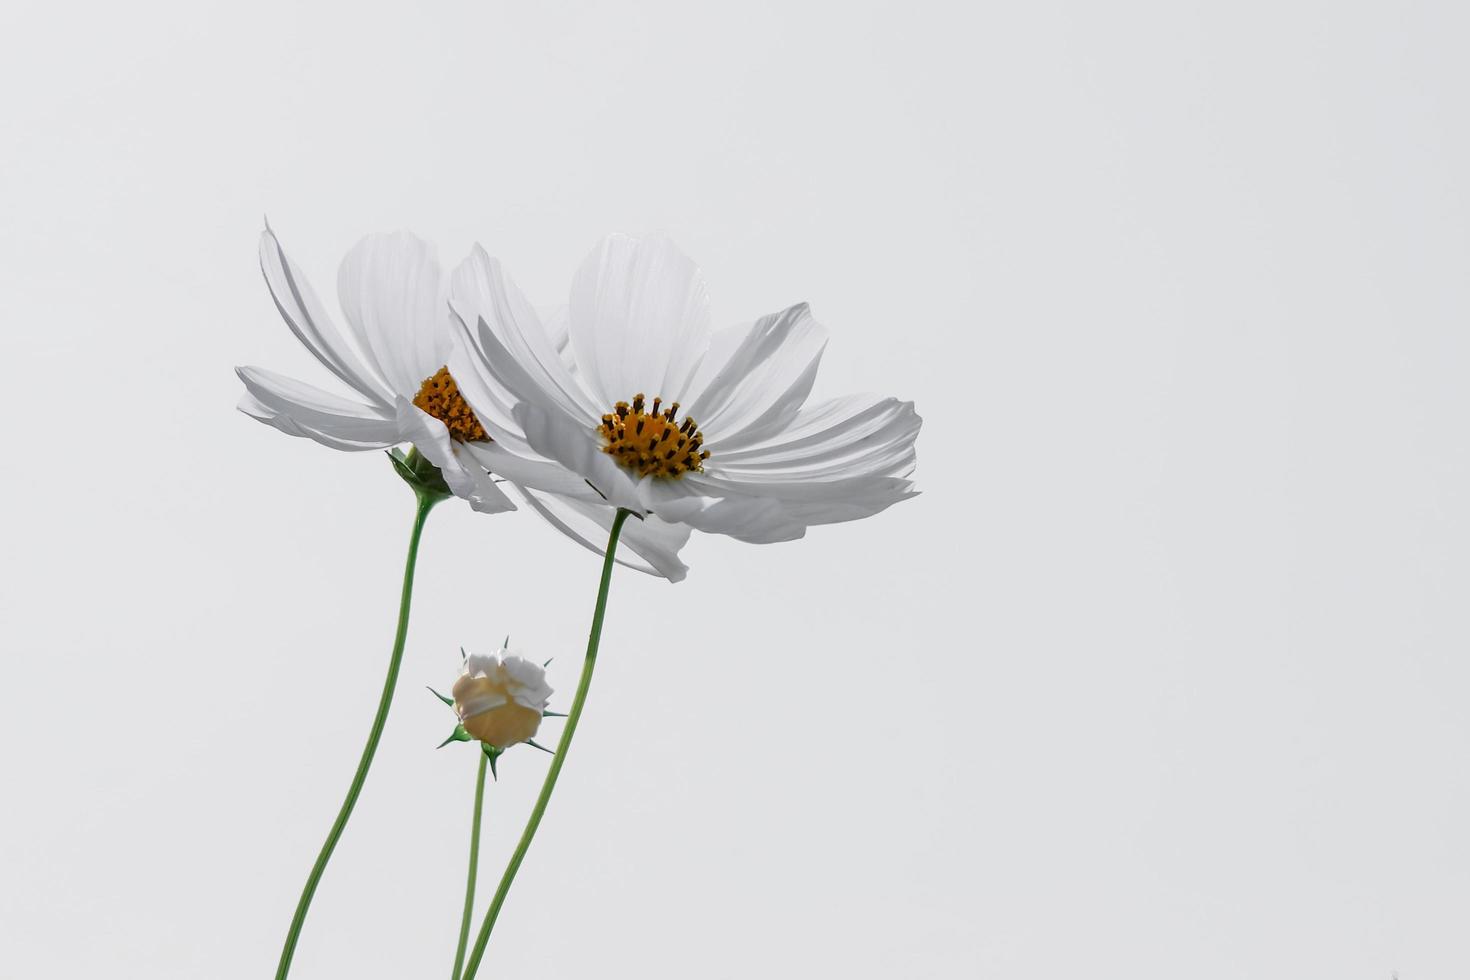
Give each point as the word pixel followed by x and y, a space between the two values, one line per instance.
pixel 651 410
pixel 393 296
pixel 500 697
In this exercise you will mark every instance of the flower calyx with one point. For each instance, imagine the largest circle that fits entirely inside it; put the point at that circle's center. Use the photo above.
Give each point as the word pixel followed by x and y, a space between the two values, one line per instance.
pixel 423 477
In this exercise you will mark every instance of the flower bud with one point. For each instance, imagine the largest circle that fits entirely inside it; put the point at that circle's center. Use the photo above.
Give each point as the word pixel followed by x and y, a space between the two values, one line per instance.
pixel 500 698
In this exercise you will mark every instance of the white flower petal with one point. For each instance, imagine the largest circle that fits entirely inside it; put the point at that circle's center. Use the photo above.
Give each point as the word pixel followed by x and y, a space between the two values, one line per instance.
pixel 757 376
pixel 557 323
pixel 292 394
pixel 509 337
pixel 535 472
pixel 393 296
pixel 490 400
pixel 655 541
pixel 479 664
pixel 813 513
pixel 766 511
pixel 304 314
pixel 858 435
pixel 315 413
pixel 527 682
pixel 639 319
pixel 496 384
pixel 466 478
pixel 771 529
pixel 817 502
pixel 576 448
pixel 252 407
pixel 761 415
pixel 759 520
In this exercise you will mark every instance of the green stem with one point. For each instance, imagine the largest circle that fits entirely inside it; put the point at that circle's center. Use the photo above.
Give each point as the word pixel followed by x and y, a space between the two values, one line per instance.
pixel 426 503
pixel 569 729
pixel 469 888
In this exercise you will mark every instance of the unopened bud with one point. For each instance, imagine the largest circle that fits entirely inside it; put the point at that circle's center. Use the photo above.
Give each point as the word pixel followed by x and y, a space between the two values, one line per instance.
pixel 500 697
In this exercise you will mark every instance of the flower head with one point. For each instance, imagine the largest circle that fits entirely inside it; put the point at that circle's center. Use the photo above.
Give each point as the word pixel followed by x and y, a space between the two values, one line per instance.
pixel 500 698
pixel 392 293
pixel 644 407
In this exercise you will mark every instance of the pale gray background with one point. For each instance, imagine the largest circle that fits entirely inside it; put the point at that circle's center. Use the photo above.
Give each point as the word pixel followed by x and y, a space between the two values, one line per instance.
pixel 1162 677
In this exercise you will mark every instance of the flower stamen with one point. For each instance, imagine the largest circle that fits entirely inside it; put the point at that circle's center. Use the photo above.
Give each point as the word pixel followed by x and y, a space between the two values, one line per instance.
pixel 653 442
pixel 439 396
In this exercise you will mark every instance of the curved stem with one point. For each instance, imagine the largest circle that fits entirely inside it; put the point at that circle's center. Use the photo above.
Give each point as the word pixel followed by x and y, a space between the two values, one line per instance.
pixel 570 728
pixel 469 888
pixel 426 503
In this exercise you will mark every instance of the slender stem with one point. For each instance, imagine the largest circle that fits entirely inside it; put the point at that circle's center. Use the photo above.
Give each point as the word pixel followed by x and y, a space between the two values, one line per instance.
pixel 568 730
pixel 469 888
pixel 426 503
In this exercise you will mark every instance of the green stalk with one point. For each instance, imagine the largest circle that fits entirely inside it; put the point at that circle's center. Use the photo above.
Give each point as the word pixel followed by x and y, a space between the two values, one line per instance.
pixel 469 889
pixel 426 502
pixel 569 729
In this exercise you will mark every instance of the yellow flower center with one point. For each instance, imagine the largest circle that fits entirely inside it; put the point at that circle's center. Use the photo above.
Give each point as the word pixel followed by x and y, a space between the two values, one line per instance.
pixel 439 396
pixel 653 443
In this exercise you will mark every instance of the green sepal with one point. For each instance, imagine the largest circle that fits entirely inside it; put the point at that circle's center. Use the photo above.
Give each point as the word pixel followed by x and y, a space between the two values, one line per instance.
pixel 423 476
pixel 493 754
pixel 458 735
pixel 553 714
pixel 536 745
pixel 447 700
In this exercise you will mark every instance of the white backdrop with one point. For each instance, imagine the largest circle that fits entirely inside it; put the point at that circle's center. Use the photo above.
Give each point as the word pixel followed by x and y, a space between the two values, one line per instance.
pixel 1162 677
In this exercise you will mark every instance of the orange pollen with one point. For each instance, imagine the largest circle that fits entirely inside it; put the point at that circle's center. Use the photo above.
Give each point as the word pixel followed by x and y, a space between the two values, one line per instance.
pixel 652 442
pixel 439 396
